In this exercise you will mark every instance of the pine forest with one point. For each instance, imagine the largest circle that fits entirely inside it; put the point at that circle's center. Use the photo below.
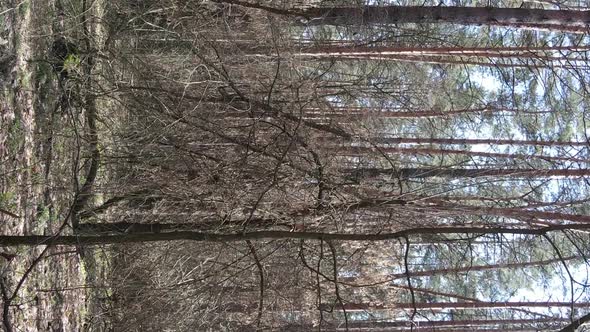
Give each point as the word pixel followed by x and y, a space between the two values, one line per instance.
pixel 303 165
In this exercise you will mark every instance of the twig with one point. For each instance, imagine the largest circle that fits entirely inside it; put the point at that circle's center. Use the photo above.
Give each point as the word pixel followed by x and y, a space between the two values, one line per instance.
pixel 13 8
pixel 407 272
pixel 336 287
pixel 571 277
pixel 5 307
pixel 9 213
pixel 272 10
pixel 261 275
pixel 319 285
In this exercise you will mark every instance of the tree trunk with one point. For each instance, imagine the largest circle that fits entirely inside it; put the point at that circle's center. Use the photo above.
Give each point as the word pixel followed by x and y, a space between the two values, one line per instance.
pixel 514 17
pixel 362 151
pixel 462 305
pixel 480 325
pixel 345 113
pixel 534 216
pixel 469 141
pixel 428 172
pixel 429 273
pixel 36 240
pixel 327 51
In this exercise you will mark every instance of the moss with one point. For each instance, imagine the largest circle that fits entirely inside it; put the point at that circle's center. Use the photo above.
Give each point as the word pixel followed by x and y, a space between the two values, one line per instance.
pixel 23 8
pixel 16 136
pixel 8 200
pixel 24 78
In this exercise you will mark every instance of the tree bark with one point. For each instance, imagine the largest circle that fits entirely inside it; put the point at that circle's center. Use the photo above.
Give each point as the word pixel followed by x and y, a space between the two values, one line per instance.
pixel 361 151
pixel 428 172
pixel 470 51
pixel 514 213
pixel 35 240
pixel 384 326
pixel 515 17
pixel 463 305
pixel 471 141
pixel 429 273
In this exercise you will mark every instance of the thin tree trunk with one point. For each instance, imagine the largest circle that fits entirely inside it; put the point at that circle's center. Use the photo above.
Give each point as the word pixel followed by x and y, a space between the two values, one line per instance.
pixel 404 325
pixel 428 172
pixel 466 325
pixel 430 273
pixel 35 240
pixel 463 305
pixel 470 141
pixel 470 51
pixel 463 62
pixel 515 213
pixel 361 151
pixel 356 112
pixel 443 323
pixel 439 206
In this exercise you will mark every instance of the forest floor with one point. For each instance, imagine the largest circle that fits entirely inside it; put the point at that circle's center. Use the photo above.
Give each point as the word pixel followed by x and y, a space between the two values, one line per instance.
pixel 41 156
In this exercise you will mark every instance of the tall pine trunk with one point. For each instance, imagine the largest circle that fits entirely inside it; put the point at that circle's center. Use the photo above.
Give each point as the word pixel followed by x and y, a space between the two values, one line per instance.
pixel 514 17
pixel 428 172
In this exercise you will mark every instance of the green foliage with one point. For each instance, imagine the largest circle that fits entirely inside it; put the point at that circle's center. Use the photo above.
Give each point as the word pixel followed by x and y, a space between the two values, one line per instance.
pixel 72 63
pixel 23 8
pixel 16 135
pixel 8 199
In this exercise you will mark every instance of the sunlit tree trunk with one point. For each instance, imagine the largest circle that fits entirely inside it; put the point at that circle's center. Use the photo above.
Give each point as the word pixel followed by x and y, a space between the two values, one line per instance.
pixel 428 172
pixel 473 268
pixel 471 51
pixel 472 141
pixel 353 113
pixel 360 151
pixel 464 305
